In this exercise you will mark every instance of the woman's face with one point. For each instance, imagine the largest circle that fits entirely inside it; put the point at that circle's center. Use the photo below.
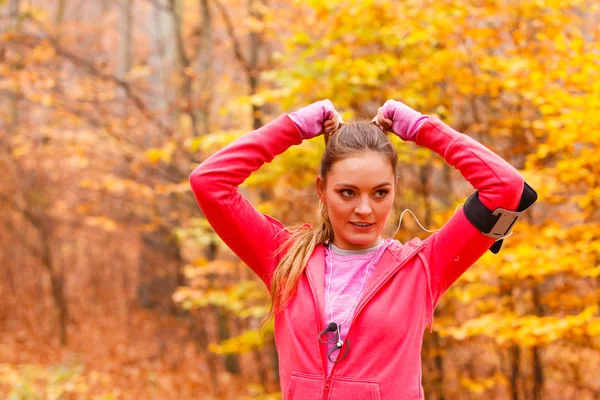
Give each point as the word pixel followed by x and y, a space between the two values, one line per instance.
pixel 358 193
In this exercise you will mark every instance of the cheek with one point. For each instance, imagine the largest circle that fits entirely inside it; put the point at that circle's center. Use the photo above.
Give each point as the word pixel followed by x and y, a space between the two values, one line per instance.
pixel 384 208
pixel 339 208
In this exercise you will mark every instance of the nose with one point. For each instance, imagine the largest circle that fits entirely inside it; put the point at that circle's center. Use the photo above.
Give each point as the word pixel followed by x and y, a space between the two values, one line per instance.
pixel 363 207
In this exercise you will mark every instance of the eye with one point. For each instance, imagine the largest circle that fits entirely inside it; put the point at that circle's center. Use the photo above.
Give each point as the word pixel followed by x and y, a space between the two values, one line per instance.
pixel 381 193
pixel 347 192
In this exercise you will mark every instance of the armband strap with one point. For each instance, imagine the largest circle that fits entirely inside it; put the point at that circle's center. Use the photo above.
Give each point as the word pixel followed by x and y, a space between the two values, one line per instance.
pixel 496 224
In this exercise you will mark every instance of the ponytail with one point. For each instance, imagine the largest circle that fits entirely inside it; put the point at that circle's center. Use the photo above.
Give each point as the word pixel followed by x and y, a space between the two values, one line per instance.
pixel 301 245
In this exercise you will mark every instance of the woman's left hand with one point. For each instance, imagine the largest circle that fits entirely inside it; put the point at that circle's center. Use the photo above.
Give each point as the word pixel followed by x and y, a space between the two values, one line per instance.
pixel 397 117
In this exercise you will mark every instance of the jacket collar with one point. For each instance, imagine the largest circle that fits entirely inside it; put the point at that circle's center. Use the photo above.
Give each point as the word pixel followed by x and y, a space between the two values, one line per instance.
pixel 393 258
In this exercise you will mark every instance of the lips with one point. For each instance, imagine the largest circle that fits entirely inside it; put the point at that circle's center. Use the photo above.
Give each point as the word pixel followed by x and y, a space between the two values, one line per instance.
pixel 362 224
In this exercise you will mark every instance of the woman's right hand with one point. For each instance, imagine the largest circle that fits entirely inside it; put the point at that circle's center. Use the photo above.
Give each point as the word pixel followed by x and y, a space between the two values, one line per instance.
pixel 316 118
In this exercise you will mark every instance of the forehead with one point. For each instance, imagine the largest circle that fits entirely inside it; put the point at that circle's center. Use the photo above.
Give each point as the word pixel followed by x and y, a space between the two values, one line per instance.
pixel 361 169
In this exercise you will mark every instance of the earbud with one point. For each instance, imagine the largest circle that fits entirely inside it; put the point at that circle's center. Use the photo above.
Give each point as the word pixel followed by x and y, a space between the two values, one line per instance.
pixel 332 327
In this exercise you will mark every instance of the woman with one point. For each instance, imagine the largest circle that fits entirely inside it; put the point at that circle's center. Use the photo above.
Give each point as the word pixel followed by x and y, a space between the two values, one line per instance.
pixel 350 308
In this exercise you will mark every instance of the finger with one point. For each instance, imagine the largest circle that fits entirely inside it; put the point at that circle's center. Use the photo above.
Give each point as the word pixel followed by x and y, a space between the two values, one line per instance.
pixel 375 120
pixel 385 125
pixel 329 126
pixel 337 118
pixel 333 120
pixel 380 119
pixel 378 116
pixel 333 124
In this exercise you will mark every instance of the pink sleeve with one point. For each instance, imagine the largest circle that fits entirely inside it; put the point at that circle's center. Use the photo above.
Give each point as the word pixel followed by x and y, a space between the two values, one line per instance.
pixel 453 249
pixel 253 236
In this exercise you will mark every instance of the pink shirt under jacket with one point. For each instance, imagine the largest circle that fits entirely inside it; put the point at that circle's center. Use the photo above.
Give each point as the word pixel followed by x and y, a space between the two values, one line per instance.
pixel 398 300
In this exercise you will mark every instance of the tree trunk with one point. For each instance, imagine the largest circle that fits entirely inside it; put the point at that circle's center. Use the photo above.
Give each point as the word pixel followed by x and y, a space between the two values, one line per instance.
pixel 201 335
pixel 447 200
pixel 231 360
pixel 60 14
pixel 42 224
pixel 515 353
pixel 160 275
pixel 201 338
pixel 124 57
pixel 537 367
pixel 184 85
pixel 205 56
pixel 14 9
pixel 57 281
pixel 424 175
pixel 232 364
pixel 253 76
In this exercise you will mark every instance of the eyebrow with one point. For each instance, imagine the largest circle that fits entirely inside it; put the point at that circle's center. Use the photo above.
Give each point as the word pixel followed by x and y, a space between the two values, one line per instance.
pixel 356 187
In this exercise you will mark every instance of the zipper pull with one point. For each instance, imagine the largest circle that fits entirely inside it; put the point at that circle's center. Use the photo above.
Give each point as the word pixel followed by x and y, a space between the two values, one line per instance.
pixel 327 382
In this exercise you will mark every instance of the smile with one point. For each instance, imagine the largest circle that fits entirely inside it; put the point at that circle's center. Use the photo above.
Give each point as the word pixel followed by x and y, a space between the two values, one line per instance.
pixel 362 224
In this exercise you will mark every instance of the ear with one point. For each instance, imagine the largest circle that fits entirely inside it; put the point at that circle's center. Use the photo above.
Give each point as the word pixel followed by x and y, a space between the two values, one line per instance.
pixel 320 184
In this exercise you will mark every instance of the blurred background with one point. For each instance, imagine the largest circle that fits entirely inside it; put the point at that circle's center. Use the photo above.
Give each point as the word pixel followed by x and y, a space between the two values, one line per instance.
pixel 113 286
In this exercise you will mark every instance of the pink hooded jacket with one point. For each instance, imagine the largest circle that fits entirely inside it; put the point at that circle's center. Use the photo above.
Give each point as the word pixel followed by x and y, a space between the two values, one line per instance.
pixel 386 335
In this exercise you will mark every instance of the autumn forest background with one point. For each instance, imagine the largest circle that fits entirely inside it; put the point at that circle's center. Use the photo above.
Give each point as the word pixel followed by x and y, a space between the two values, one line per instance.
pixel 113 286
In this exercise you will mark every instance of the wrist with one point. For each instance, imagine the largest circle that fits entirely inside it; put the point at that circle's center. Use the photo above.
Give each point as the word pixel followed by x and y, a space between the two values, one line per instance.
pixel 414 126
pixel 297 122
pixel 309 120
pixel 407 124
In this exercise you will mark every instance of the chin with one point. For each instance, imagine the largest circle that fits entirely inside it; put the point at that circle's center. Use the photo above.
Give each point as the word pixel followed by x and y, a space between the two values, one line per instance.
pixel 361 240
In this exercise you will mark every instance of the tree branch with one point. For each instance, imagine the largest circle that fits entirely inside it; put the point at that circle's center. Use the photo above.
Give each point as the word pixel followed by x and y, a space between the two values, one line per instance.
pixel 93 70
pixel 236 44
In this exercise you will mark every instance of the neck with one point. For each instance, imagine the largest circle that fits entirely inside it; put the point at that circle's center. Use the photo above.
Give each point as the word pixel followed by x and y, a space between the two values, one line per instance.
pixel 342 249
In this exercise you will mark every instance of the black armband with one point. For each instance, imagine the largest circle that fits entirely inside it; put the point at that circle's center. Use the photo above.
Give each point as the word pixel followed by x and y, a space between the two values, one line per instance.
pixel 496 224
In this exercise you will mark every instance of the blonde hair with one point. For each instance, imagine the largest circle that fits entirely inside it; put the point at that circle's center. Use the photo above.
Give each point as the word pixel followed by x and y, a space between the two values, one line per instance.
pixel 350 139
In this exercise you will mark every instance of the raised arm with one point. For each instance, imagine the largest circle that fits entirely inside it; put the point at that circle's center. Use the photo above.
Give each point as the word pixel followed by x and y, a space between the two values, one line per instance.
pixel 459 244
pixel 453 249
pixel 252 235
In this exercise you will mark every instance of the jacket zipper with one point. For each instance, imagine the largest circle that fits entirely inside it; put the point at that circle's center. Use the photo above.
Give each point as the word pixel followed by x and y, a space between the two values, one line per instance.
pixel 327 382
pixel 324 363
pixel 328 377
pixel 362 305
